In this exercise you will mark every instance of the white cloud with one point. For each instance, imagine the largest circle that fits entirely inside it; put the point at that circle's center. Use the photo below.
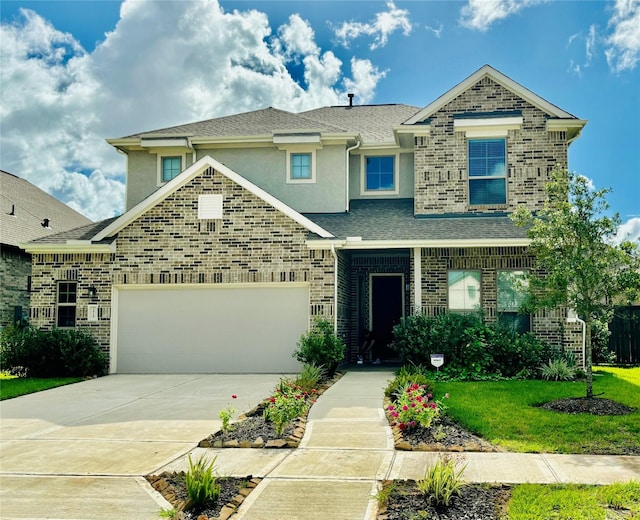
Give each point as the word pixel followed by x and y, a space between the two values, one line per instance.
pixel 481 14
pixel 588 183
pixel 629 230
pixel 624 43
pixel 381 27
pixel 164 63
pixel 436 32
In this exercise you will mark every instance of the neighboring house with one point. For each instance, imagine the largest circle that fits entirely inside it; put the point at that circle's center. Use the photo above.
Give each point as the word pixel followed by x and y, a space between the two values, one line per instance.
pixel 26 213
pixel 240 231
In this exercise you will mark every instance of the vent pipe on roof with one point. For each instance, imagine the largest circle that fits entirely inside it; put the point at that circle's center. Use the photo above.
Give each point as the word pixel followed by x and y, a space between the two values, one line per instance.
pixel 350 96
pixel 13 211
pixel 45 223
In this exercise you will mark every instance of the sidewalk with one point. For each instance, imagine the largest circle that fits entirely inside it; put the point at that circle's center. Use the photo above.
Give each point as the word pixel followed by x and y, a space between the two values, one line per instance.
pixel 348 447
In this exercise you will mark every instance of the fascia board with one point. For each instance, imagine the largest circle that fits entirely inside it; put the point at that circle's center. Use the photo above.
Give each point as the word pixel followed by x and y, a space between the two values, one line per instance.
pixel 404 244
pixel 185 177
pixel 509 123
pixel 498 77
pixel 565 124
pixel 166 142
pixel 414 130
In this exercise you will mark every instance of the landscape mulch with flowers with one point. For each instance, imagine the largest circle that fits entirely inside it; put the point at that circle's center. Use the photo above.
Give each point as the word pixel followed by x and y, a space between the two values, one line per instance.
pixel 418 424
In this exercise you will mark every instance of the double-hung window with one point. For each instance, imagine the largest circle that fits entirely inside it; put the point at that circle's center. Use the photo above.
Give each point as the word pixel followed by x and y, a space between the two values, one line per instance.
pixel 512 291
pixel 380 173
pixel 464 290
pixel 487 171
pixel 171 166
pixel 66 304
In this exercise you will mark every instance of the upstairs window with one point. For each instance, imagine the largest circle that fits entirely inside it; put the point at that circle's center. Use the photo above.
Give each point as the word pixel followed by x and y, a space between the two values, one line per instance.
pixel 464 290
pixel 380 173
pixel 512 291
pixel 487 171
pixel 300 166
pixel 171 166
pixel 66 304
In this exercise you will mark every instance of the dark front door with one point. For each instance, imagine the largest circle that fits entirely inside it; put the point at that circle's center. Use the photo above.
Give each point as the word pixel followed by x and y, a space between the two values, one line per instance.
pixel 386 310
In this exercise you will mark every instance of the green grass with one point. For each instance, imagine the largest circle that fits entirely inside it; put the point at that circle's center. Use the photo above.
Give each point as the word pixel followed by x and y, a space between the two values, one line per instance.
pixel 11 386
pixel 575 502
pixel 507 413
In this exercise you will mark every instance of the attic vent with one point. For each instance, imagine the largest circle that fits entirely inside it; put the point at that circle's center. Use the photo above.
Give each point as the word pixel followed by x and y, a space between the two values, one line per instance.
pixel 209 207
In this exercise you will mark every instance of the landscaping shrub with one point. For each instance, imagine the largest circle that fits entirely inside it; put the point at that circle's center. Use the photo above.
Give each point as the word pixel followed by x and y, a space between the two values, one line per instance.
pixel 53 353
pixel 321 347
pixel 409 374
pixel 441 481
pixel 288 402
pixel 558 370
pixel 414 408
pixel 473 350
pixel 310 376
pixel 201 483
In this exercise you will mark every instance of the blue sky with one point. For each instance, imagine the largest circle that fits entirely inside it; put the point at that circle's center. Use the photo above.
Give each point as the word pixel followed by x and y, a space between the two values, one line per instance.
pixel 76 72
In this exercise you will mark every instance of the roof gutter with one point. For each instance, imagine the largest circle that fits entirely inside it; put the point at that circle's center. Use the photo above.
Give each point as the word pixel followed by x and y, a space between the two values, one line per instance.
pixel 346 181
pixel 411 243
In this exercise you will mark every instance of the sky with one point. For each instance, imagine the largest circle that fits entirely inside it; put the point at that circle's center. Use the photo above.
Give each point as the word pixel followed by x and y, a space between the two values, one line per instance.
pixel 74 73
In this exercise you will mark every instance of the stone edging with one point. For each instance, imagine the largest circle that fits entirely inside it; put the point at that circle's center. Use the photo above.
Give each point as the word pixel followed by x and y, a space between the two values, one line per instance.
pixel 228 511
pixel 403 445
pixel 290 441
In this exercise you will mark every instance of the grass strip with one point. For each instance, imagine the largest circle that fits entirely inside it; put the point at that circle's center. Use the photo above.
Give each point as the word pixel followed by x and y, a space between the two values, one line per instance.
pixel 508 413
pixel 15 387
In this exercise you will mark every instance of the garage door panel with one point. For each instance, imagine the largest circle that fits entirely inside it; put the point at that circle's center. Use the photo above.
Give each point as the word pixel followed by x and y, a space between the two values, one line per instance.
pixel 200 330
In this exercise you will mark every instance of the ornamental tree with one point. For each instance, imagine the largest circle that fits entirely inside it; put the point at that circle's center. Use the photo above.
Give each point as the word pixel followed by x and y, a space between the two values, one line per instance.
pixel 578 264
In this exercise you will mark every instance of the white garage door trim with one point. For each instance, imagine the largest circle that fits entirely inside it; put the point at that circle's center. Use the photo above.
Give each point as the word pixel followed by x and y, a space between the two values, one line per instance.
pixel 119 290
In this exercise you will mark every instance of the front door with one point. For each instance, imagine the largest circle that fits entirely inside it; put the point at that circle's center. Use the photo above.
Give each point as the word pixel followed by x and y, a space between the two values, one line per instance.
pixel 387 307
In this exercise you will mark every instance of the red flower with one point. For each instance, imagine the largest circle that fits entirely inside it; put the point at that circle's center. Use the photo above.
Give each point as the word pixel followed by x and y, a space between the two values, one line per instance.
pixel 272 399
pixel 234 396
pixel 402 425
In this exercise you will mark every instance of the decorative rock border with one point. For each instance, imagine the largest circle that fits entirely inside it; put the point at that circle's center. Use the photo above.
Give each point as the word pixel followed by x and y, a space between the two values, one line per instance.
pixel 228 511
pixel 292 440
pixel 401 444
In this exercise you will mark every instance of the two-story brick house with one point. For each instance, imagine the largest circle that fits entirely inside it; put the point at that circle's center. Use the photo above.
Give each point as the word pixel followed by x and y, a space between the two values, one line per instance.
pixel 239 231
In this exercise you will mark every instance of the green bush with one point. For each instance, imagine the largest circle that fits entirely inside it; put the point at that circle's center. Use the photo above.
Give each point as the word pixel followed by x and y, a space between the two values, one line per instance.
pixel 310 376
pixel 441 481
pixel 321 347
pixel 407 375
pixel 558 370
pixel 201 483
pixel 52 353
pixel 288 402
pixel 473 350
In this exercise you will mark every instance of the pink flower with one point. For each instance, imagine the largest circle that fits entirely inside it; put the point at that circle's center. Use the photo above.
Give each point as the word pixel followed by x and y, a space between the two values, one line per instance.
pixel 405 407
pixel 429 396
pixel 413 405
pixel 391 407
pixel 433 405
pixel 394 414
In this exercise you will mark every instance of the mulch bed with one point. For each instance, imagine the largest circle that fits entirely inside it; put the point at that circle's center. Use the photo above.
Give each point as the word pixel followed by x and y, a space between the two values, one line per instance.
pixel 233 492
pixel 476 502
pixel 592 405
pixel 252 431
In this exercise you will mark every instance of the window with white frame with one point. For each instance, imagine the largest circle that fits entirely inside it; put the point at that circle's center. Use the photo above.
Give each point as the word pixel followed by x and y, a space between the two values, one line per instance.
pixel 170 167
pixel 380 173
pixel 66 304
pixel 301 167
pixel 512 287
pixel 487 171
pixel 464 290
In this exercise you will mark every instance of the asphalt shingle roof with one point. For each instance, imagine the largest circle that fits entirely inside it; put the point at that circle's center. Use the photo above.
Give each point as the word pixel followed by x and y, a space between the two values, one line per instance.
pixel 373 122
pixel 393 219
pixel 31 206
pixel 81 233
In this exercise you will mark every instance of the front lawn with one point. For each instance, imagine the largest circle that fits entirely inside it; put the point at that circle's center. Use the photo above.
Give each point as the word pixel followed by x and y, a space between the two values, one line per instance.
pixel 16 386
pixel 507 413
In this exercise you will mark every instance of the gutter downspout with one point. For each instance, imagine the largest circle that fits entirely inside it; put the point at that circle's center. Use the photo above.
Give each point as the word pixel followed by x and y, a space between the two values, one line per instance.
pixel 193 150
pixel 346 183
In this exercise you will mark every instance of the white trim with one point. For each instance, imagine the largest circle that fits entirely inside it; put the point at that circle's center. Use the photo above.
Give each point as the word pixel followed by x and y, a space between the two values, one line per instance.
pixel 164 143
pixel 301 139
pixel 186 176
pixel 498 77
pixel 304 151
pixel 487 127
pixel 363 174
pixel 72 246
pixel 167 154
pixel 409 244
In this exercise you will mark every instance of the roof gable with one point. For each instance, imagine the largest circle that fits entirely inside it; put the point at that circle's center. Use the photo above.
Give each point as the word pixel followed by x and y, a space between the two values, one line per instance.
pixel 501 79
pixel 185 177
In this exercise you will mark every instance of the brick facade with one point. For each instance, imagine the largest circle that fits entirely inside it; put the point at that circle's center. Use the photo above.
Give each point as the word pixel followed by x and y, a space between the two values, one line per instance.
pixel 15 270
pixel 441 180
pixel 253 243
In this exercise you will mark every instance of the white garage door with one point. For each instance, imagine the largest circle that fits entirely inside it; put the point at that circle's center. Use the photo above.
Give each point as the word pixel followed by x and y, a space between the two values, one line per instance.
pixel 228 329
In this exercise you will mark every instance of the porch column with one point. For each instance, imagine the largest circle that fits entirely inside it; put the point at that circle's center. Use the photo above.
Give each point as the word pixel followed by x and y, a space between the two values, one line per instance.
pixel 417 279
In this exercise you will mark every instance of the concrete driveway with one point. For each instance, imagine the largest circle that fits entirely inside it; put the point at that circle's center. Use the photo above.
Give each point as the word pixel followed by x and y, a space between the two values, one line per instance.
pixel 84 447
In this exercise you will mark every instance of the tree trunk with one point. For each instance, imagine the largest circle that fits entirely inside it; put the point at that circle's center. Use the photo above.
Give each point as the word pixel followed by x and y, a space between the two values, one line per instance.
pixel 588 363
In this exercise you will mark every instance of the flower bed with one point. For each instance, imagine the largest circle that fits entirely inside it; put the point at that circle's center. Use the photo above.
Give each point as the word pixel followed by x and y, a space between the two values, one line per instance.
pixel 252 430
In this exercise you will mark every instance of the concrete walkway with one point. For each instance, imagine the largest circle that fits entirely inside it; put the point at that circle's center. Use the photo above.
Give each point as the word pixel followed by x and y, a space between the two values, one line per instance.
pixel 348 447
pixel 80 452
